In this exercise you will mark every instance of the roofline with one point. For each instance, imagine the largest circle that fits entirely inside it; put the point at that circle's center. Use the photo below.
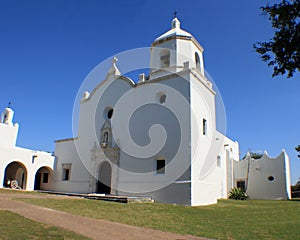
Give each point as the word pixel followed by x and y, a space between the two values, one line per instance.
pixel 123 78
pixel 65 140
pixel 188 38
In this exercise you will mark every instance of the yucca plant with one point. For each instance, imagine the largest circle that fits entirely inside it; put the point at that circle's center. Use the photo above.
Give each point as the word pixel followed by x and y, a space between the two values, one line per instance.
pixel 238 194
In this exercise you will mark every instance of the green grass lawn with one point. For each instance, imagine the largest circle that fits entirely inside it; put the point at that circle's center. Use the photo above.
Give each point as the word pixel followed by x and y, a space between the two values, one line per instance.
pixel 13 191
pixel 229 219
pixel 14 227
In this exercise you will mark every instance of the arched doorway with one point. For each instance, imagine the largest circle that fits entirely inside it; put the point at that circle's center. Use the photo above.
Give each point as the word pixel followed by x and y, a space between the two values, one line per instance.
pixel 15 171
pixel 104 179
pixel 42 178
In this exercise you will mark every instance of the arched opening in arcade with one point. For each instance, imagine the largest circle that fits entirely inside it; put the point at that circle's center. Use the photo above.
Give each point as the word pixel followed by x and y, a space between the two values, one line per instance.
pixel 15 176
pixel 42 178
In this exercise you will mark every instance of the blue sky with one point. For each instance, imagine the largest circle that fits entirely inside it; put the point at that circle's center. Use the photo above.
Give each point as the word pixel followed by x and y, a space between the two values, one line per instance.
pixel 48 47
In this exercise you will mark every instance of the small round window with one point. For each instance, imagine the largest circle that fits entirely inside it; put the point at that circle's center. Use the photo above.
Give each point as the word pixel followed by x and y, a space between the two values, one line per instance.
pixel 108 112
pixel 271 178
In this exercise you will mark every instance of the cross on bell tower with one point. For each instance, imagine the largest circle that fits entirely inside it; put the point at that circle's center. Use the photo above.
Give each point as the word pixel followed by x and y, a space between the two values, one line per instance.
pixel 175 14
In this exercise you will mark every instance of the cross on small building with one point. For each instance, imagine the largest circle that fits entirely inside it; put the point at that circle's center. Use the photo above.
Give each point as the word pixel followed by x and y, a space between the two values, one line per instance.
pixel 175 14
pixel 9 104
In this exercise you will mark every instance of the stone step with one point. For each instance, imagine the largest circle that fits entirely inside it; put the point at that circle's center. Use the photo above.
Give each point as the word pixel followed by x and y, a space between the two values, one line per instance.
pixel 123 199
pixel 103 197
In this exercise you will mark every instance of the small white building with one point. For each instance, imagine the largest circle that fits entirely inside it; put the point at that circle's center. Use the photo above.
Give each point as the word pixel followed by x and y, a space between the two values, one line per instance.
pixel 155 137
pixel 19 167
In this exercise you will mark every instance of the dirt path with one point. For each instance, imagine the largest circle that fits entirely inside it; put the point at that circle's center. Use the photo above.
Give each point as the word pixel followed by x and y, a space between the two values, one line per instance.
pixel 91 228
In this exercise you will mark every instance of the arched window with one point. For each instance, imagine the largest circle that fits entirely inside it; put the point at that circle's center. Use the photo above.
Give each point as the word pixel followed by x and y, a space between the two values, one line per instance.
pixel 197 60
pixel 164 58
pixel 105 137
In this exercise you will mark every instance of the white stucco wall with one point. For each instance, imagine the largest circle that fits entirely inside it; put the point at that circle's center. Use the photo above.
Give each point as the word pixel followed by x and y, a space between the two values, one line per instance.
pixel 204 172
pixel 66 153
pixel 9 135
pixel 228 154
pixel 173 117
pixel 266 178
pixel 24 156
pixel 210 152
pixel 30 161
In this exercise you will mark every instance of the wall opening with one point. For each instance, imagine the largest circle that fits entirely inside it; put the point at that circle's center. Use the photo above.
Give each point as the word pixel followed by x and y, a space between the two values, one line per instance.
pixel 104 179
pixel 241 184
pixel 160 166
pixel 218 161
pixel 42 178
pixel 15 176
pixel 164 58
pixel 108 113
pixel 33 158
pixel 105 137
pixel 161 97
pixel 204 126
pixel 271 178
pixel 66 171
pixel 197 60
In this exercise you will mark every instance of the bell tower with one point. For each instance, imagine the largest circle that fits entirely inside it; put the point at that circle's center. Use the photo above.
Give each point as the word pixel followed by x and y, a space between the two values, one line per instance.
pixel 7 116
pixel 171 50
pixel 8 130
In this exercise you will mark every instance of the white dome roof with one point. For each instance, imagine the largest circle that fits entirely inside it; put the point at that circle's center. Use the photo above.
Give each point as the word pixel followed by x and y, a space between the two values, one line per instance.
pixel 176 30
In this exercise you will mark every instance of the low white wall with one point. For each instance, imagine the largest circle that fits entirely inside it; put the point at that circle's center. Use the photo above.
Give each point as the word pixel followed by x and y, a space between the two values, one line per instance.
pixel 25 156
pixel 266 178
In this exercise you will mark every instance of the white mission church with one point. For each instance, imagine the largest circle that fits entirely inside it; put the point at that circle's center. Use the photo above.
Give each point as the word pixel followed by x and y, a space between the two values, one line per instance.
pixel 167 148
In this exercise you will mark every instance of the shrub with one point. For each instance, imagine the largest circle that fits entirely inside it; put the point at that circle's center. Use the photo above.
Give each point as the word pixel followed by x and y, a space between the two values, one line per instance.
pixel 238 194
pixel 295 188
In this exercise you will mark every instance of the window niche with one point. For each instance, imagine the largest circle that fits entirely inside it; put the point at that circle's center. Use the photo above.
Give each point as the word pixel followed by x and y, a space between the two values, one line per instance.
pixel 33 158
pixel 204 127
pixel 161 97
pixel 66 171
pixel 45 177
pixel 105 139
pixel 218 161
pixel 160 166
pixel 164 58
pixel 108 113
pixel 241 184
pixel 197 60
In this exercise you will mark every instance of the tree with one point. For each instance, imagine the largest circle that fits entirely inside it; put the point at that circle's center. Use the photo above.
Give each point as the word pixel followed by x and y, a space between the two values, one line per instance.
pixel 254 155
pixel 298 150
pixel 283 50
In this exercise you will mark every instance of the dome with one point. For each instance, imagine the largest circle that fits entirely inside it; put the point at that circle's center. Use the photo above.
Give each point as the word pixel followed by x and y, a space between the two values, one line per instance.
pixel 174 31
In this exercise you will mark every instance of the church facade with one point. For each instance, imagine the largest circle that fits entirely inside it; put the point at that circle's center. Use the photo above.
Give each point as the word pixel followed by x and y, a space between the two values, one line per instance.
pixel 158 137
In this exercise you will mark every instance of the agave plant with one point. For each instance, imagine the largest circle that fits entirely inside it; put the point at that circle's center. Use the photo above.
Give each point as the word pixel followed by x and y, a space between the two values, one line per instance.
pixel 238 194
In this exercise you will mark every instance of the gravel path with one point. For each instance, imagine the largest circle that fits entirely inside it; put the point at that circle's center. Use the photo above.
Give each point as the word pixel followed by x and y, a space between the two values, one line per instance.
pixel 91 228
